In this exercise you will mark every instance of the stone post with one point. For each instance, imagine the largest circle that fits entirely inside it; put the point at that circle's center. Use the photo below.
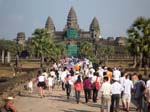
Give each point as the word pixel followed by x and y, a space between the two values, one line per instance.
pixel 3 56
pixel 8 57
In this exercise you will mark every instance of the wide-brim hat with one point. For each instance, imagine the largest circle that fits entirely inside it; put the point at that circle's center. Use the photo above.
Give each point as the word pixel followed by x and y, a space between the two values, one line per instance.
pixel 9 98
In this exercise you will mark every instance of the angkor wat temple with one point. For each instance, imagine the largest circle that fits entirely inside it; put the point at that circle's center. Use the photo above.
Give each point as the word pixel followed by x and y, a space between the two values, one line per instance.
pixel 73 35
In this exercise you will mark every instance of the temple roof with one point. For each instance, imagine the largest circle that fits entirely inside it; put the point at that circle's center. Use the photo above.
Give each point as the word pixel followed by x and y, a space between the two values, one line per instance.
pixel 49 24
pixel 72 13
pixel 94 24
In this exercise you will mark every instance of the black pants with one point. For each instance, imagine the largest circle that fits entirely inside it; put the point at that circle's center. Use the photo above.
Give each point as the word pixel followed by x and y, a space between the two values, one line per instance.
pixel 63 86
pixel 87 93
pixel 114 102
pixel 95 93
pixel 68 89
pixel 77 95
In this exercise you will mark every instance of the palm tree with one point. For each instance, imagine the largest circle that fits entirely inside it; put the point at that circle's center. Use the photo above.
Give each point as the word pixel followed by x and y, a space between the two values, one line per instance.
pixel 40 43
pixel 138 41
pixel 43 46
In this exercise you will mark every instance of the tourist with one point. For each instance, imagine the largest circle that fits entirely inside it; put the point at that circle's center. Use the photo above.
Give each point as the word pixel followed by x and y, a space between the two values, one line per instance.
pixel 139 88
pixel 106 90
pixel 96 86
pixel 9 105
pixel 109 74
pixel 68 85
pixel 78 87
pixel 116 73
pixel 128 85
pixel 87 88
pixel 41 84
pixel 116 93
pixel 148 93
pixel 62 77
pixel 50 81
pixel 30 85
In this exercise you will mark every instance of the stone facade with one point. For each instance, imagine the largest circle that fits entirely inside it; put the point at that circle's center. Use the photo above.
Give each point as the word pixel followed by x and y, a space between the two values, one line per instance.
pixel 72 23
pixel 73 34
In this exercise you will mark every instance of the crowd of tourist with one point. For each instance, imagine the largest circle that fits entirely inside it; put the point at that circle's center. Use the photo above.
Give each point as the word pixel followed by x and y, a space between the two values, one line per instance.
pixel 109 85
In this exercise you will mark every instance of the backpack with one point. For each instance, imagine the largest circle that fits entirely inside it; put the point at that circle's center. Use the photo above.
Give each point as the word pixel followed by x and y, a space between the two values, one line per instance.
pixel 96 84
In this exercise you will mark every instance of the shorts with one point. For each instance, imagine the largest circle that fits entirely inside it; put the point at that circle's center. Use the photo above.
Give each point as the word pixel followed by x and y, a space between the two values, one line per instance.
pixel 41 84
pixel 126 98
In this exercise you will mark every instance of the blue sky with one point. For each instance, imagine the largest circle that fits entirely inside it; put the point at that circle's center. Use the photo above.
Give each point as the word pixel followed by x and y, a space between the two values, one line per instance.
pixel 114 16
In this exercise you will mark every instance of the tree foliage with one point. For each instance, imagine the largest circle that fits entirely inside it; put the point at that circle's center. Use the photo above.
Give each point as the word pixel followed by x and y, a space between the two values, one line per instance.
pixel 139 41
pixel 42 45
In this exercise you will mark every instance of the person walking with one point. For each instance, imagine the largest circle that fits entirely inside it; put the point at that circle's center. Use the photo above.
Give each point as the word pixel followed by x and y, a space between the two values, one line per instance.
pixel 87 88
pixel 148 93
pixel 139 89
pixel 78 86
pixel 128 86
pixel 116 93
pixel 41 84
pixel 106 90
pixel 68 85
pixel 96 86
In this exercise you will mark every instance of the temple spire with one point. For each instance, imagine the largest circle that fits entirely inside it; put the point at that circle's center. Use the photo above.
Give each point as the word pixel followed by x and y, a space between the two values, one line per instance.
pixel 50 25
pixel 72 20
pixel 94 28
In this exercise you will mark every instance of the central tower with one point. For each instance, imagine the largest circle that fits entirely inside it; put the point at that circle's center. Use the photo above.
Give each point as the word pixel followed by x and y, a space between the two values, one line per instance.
pixel 72 22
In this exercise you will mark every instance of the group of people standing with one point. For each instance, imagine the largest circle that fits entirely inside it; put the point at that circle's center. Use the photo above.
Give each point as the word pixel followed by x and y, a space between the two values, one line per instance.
pixel 103 83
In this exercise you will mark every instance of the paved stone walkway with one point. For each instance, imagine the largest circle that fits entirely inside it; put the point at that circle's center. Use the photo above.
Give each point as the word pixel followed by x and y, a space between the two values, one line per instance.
pixel 55 102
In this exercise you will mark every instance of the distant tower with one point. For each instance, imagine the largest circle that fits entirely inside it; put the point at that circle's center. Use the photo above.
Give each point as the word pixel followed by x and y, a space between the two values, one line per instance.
pixel 50 25
pixel 94 28
pixel 72 20
pixel 21 38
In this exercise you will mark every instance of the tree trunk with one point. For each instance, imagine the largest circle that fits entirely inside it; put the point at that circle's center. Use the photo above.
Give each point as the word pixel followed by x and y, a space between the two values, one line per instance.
pixel 3 56
pixel 8 57
pixel 17 60
pixel 141 59
pixel 135 61
pixel 42 61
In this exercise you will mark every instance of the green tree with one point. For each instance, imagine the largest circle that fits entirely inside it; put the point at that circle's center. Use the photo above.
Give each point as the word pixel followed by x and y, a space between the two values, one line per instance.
pixel 138 41
pixel 105 51
pixel 10 47
pixel 43 46
pixel 86 49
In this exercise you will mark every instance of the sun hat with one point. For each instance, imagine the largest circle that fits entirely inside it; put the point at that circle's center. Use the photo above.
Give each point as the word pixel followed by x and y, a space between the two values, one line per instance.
pixel 9 98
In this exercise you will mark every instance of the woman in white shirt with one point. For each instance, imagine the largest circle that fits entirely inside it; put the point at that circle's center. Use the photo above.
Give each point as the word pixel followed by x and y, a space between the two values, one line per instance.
pixel 41 83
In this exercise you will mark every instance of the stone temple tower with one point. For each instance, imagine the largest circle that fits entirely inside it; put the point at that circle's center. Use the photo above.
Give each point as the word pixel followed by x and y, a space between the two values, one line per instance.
pixel 21 38
pixel 95 28
pixel 72 20
pixel 50 25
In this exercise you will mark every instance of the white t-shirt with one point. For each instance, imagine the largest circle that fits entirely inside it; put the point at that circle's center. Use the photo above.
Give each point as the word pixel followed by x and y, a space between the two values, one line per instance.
pixel 128 85
pixel 50 81
pixel 30 84
pixel 41 78
pixel 116 74
pixel 45 74
pixel 148 84
pixel 63 75
pixel 53 74
pixel 106 88
pixel 116 88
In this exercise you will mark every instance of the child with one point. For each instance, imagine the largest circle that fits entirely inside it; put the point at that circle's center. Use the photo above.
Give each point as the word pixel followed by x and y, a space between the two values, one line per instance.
pixel 50 83
pixel 30 86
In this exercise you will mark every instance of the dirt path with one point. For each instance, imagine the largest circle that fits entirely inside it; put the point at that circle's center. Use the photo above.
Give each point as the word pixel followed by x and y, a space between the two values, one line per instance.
pixel 55 102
